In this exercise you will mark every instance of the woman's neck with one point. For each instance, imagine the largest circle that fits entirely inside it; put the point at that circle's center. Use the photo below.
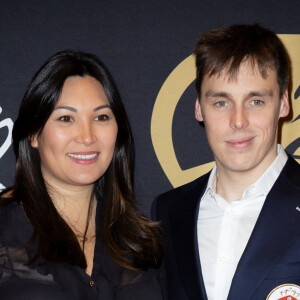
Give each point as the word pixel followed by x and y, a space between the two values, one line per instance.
pixel 76 205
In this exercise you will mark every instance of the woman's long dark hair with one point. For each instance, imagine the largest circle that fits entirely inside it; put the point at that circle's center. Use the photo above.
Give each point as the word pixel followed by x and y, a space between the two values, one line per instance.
pixel 130 239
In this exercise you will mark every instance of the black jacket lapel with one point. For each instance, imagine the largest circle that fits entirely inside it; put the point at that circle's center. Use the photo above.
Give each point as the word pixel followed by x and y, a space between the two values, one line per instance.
pixel 186 239
pixel 277 227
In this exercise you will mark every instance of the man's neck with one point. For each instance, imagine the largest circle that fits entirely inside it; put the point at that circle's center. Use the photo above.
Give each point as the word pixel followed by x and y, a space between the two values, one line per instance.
pixel 231 184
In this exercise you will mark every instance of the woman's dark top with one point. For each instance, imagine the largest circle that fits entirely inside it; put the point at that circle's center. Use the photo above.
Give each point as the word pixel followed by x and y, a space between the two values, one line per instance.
pixel 63 281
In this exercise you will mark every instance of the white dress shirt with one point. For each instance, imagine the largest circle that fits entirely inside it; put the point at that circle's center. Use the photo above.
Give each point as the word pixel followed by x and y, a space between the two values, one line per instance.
pixel 223 228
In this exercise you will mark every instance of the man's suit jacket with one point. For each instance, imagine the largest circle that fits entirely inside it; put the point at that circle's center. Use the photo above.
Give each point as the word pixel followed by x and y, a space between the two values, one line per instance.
pixel 271 257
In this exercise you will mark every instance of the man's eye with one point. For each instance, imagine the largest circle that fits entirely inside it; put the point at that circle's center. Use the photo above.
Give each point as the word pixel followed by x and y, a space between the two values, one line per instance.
pixel 221 104
pixel 102 118
pixel 257 102
pixel 65 119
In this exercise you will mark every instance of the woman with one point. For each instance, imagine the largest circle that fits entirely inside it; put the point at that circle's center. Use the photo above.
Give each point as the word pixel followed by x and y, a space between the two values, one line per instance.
pixel 69 228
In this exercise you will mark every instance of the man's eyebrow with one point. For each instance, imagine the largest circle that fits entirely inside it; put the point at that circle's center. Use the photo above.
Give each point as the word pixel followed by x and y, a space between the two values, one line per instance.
pixel 258 93
pixel 215 94
pixel 261 93
pixel 75 110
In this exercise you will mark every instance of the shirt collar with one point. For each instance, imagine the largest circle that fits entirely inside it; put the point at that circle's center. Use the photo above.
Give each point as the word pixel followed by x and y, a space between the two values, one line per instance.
pixel 212 182
pixel 265 182
pixel 262 186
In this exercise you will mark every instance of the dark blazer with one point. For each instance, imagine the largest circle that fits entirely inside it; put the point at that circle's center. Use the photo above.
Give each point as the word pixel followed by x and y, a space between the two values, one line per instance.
pixel 271 257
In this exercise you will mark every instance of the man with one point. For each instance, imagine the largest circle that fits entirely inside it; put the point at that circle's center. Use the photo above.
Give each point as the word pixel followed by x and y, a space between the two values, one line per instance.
pixel 235 233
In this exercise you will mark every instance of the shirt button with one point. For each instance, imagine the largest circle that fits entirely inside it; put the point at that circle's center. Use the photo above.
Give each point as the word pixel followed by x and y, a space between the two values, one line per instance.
pixel 91 283
pixel 223 258
pixel 232 212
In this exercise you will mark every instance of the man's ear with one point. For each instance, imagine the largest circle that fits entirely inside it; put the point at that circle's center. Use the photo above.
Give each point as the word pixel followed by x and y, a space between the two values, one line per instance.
pixel 284 105
pixel 34 141
pixel 198 112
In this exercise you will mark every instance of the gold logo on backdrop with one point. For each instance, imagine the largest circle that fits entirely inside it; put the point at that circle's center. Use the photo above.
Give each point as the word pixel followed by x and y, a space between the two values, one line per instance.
pixel 169 96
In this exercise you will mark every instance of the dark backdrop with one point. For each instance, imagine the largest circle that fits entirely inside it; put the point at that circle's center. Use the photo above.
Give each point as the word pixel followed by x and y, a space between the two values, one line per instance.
pixel 141 42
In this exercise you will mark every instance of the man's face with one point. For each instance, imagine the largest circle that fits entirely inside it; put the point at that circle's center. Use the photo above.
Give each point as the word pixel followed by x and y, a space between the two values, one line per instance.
pixel 241 118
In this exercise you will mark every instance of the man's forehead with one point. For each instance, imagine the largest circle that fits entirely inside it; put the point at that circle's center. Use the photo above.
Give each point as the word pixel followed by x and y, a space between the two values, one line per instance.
pixel 247 81
pixel 248 66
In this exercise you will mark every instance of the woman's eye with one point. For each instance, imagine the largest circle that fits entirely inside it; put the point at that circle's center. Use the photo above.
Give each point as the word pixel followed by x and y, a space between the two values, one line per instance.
pixel 65 119
pixel 257 102
pixel 221 104
pixel 102 118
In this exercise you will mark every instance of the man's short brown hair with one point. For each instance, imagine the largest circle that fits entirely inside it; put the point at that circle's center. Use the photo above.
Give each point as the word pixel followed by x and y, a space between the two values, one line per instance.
pixel 227 47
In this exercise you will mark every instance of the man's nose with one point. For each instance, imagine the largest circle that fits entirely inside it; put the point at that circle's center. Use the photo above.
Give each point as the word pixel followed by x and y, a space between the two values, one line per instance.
pixel 239 118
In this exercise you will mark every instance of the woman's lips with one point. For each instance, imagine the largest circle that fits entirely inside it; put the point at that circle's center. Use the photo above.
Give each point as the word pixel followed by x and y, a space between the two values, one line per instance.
pixel 84 158
pixel 240 144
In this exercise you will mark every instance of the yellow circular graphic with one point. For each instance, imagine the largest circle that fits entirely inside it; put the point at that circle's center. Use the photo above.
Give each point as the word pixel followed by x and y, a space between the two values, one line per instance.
pixel 169 96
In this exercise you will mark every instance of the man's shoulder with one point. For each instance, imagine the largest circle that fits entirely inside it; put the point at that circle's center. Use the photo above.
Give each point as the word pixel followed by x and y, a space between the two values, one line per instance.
pixel 179 196
pixel 186 188
pixel 291 171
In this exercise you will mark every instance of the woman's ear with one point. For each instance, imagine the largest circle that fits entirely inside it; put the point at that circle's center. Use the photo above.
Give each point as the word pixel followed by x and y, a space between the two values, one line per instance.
pixel 34 141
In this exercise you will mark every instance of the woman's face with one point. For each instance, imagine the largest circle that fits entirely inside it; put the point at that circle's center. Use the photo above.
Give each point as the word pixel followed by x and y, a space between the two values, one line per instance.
pixel 77 143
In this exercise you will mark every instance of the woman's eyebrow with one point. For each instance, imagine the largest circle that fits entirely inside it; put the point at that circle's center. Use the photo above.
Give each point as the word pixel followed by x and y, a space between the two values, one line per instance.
pixel 66 107
pixel 75 110
pixel 102 106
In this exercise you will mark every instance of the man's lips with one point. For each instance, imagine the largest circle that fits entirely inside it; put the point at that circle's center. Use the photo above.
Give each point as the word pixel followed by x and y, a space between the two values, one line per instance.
pixel 84 157
pixel 241 143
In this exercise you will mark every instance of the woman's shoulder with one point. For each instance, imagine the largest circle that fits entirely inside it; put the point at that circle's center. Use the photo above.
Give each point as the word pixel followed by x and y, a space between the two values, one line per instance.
pixel 6 196
pixel 15 228
pixel 7 208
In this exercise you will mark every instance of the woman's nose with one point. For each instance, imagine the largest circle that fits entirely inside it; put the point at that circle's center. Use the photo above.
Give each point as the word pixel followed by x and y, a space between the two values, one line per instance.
pixel 85 134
